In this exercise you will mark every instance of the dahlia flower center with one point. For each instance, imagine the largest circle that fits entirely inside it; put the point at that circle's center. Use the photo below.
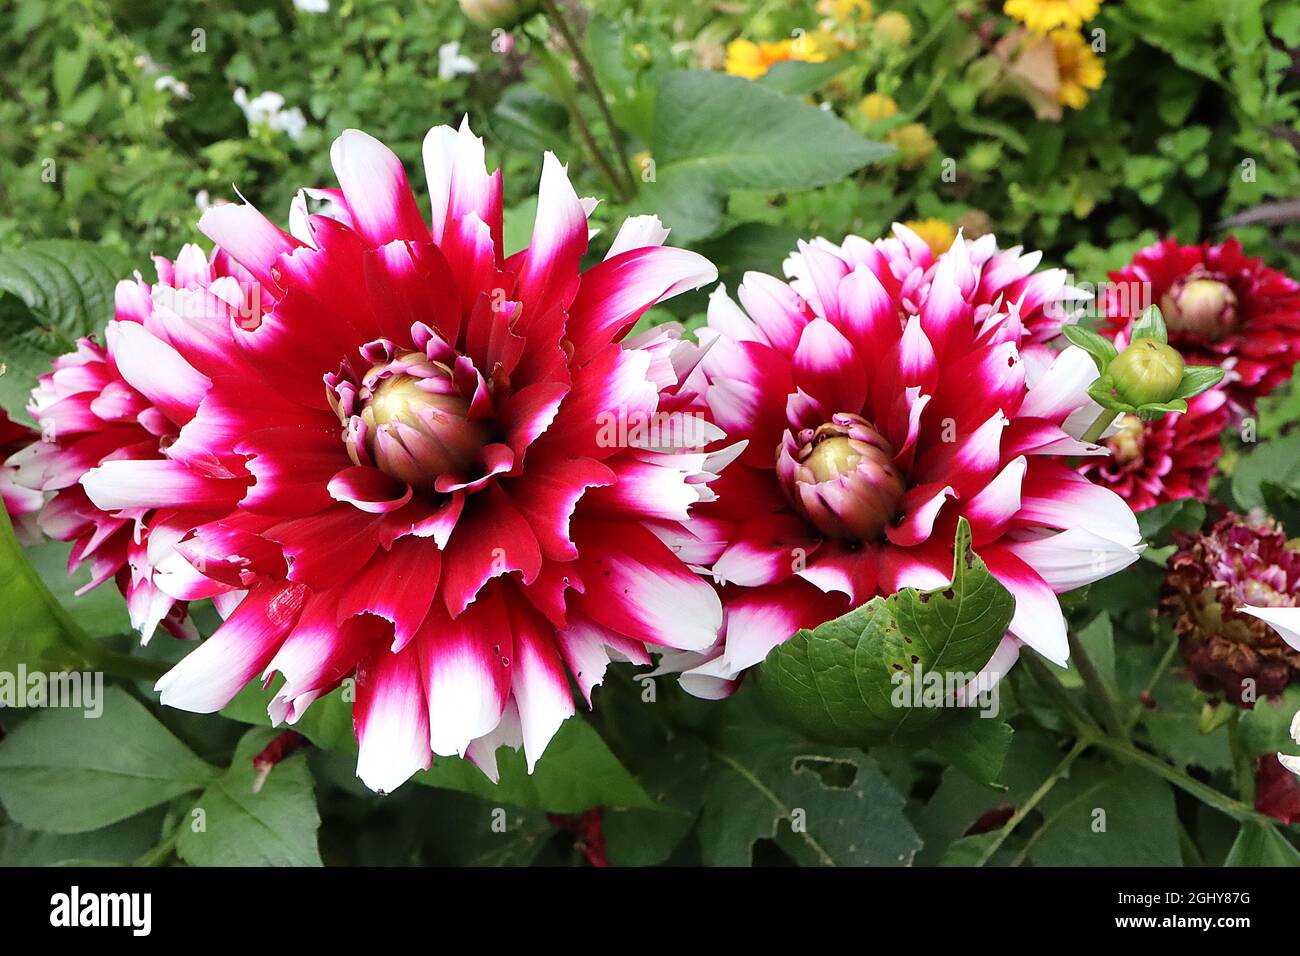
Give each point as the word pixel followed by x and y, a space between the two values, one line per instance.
pixel 415 424
pixel 1200 305
pixel 1126 444
pixel 845 481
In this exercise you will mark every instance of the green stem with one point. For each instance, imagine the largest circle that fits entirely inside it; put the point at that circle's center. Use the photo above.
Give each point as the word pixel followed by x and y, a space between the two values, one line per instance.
pixel 1099 425
pixel 564 85
pixel 1035 798
pixel 159 854
pixel 556 16
pixel 1081 719
pixel 130 668
pixel 1206 794
pixel 1243 763
pixel 1154 679
pixel 1100 694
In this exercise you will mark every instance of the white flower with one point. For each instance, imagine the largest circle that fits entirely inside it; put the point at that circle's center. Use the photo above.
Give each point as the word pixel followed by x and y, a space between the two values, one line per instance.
pixel 1286 621
pixel 452 63
pixel 177 87
pixel 267 109
pixel 203 200
pixel 290 122
pixel 1292 763
pixel 312 6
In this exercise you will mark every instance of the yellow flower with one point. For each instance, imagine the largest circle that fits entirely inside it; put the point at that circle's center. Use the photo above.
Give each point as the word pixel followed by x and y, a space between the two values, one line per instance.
pixel 914 142
pixel 877 106
pixel 894 26
pixel 938 235
pixel 1044 16
pixel 845 11
pixel 1080 69
pixel 751 60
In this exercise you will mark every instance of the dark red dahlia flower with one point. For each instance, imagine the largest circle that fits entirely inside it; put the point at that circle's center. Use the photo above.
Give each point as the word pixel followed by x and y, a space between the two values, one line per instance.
pixel 1167 459
pixel 1222 308
pixel 1229 588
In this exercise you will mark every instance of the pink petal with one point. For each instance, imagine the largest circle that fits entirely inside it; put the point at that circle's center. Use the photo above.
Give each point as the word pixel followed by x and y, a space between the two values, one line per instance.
pixel 156 370
pixel 636 586
pixel 369 489
pixel 212 674
pixel 467 671
pixel 1037 620
pixel 117 485
pixel 920 506
pixel 619 290
pixel 492 538
pixel 828 367
pixel 377 192
pixel 397 585
pixel 538 680
pixel 765 550
pixel 547 495
pixel 248 236
pixel 391 720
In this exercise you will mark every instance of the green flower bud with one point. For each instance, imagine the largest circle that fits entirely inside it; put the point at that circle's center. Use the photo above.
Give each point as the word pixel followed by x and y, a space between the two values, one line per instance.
pixel 497 13
pixel 1146 372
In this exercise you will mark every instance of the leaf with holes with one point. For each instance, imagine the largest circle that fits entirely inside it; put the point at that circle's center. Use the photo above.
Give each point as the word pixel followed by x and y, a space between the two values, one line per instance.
pixel 827 806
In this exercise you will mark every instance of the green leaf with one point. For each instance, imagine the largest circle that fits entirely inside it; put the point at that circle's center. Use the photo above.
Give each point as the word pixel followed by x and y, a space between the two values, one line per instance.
pixel 327 723
pixel 67 289
pixel 1101 349
pixel 577 772
pixel 1158 523
pixel 101 612
pixel 1277 461
pixel 529 120
pixel 1150 325
pixel 1101 817
pixel 1102 391
pixel 65 772
pixel 1175 729
pixel 672 778
pixel 1097 640
pixel 276 826
pixel 799 77
pixel 823 805
pixel 975 745
pixel 1260 844
pixel 715 133
pixel 857 679
pixel 118 844
pixel 1197 379
pixel 35 630
pixel 1283 504
pixel 1266 727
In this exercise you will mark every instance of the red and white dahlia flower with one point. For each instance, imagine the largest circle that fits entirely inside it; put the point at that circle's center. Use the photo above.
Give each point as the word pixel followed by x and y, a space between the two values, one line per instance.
pixel 884 394
pixel 1221 307
pixel 418 461
pixel 125 400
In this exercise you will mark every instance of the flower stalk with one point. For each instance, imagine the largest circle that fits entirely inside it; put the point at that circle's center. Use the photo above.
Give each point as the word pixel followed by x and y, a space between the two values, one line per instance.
pixel 624 185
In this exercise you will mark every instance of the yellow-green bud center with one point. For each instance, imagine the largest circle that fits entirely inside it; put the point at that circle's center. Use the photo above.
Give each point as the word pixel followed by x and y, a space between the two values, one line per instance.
pixel 1147 372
